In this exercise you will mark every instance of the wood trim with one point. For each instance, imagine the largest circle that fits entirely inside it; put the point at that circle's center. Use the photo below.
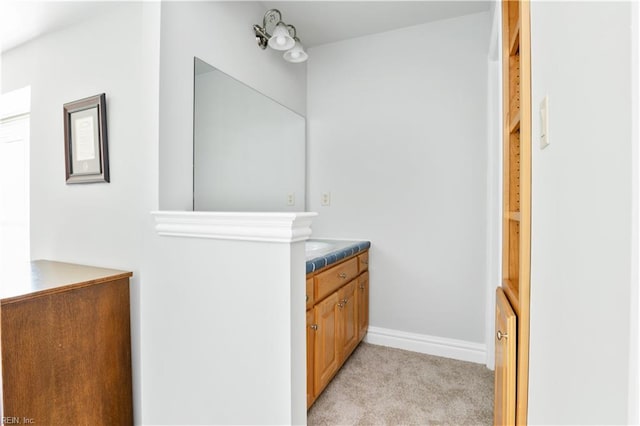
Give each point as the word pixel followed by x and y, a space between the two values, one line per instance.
pixel 506 130
pixel 516 214
pixel 522 390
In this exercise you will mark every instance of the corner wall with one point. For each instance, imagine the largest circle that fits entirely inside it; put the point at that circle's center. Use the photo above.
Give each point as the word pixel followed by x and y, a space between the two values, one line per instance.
pixel 581 213
pixel 397 133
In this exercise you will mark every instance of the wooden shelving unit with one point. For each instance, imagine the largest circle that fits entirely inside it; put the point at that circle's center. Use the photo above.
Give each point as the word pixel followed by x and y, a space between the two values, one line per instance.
pixel 512 349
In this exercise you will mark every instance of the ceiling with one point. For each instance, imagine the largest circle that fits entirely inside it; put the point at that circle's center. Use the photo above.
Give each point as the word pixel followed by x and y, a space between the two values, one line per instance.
pixel 317 22
pixel 322 22
pixel 21 21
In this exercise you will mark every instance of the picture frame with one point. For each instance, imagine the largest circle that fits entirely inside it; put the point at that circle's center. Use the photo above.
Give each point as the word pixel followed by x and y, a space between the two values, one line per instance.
pixel 85 140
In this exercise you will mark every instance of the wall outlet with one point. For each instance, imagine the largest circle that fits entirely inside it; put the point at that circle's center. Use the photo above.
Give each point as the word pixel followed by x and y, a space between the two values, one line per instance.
pixel 325 199
pixel 291 199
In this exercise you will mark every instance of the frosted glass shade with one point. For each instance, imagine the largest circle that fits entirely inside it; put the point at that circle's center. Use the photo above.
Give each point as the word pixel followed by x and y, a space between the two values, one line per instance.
pixel 296 53
pixel 281 40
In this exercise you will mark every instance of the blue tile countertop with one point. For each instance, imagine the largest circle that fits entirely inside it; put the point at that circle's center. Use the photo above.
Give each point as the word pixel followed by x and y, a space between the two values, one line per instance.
pixel 320 253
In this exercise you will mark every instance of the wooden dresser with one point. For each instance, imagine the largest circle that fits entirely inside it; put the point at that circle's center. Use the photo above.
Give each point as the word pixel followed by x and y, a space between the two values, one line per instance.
pixel 66 346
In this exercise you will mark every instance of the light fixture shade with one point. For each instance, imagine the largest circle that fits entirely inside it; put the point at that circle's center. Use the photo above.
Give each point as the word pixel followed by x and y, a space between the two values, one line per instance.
pixel 296 53
pixel 281 39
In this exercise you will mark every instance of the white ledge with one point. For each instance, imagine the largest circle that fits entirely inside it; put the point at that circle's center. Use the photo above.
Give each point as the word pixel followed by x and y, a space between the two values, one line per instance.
pixel 280 227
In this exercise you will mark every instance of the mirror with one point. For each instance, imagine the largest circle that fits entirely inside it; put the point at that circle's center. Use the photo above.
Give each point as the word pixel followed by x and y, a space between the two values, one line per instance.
pixel 249 150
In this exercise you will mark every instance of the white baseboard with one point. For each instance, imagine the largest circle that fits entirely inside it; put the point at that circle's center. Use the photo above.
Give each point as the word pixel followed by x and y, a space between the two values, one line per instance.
pixel 438 346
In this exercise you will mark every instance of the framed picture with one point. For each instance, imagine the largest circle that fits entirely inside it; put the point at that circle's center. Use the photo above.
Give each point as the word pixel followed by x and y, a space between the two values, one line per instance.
pixel 85 140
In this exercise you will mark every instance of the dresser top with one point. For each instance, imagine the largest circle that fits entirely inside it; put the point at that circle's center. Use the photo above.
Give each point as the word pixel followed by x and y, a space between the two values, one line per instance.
pixel 43 277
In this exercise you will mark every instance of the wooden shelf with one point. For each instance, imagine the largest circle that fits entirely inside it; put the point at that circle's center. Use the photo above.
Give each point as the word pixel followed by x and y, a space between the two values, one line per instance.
pixel 514 124
pixel 512 363
pixel 515 38
pixel 513 216
pixel 510 288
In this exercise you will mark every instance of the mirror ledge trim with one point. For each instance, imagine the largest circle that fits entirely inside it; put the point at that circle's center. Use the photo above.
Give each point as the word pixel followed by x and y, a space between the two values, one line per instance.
pixel 278 227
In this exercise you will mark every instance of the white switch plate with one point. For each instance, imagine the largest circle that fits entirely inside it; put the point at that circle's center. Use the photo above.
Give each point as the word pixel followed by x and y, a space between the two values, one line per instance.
pixel 325 199
pixel 544 122
pixel 291 199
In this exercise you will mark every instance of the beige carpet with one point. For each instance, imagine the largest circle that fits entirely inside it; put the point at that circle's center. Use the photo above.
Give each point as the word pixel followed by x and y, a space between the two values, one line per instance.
pixel 385 386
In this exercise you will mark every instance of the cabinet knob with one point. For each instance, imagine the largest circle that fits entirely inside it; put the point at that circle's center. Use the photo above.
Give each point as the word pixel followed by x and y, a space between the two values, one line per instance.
pixel 314 327
pixel 500 335
pixel 342 275
pixel 361 286
pixel 344 301
pixel 340 305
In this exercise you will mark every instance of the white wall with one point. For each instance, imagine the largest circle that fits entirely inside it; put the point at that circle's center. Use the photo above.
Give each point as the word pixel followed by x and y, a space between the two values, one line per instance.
pixel 224 343
pixel 494 177
pixel 581 214
pixel 96 224
pixel 634 299
pixel 221 34
pixel 397 132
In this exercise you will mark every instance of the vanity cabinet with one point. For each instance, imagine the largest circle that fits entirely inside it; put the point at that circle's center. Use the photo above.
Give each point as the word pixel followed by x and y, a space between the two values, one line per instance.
pixel 327 346
pixel 310 298
pixel 347 319
pixel 362 292
pixel 337 320
pixel 330 280
pixel 310 349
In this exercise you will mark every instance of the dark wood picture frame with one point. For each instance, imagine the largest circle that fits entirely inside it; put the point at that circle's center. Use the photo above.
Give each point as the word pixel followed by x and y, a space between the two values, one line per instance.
pixel 85 140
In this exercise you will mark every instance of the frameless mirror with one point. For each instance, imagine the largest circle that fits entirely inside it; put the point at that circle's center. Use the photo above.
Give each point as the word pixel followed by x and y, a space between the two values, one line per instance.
pixel 249 150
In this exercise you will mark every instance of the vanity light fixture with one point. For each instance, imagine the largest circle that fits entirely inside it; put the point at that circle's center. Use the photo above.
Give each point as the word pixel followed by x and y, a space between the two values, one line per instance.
pixel 283 37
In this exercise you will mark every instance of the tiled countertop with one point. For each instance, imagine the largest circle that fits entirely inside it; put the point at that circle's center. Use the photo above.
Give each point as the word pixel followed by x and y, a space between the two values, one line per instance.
pixel 321 253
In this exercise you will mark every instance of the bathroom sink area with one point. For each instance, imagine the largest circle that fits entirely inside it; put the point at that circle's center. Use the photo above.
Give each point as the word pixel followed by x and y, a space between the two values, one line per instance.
pixel 320 253
pixel 312 246
pixel 317 248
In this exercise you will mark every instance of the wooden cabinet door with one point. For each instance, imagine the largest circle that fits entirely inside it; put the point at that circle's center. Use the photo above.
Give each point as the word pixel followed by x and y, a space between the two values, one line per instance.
pixel 310 298
pixel 505 374
pixel 326 351
pixel 362 292
pixel 311 336
pixel 348 304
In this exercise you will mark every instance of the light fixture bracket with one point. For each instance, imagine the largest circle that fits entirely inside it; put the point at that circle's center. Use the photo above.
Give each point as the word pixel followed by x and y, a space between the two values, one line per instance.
pixel 272 17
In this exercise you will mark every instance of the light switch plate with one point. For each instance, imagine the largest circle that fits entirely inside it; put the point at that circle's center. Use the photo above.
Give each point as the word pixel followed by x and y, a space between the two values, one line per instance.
pixel 325 199
pixel 291 199
pixel 544 122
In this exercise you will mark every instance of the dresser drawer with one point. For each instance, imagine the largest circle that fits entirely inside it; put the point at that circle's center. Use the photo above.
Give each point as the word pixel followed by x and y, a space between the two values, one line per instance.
pixel 363 261
pixel 328 281
pixel 310 298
